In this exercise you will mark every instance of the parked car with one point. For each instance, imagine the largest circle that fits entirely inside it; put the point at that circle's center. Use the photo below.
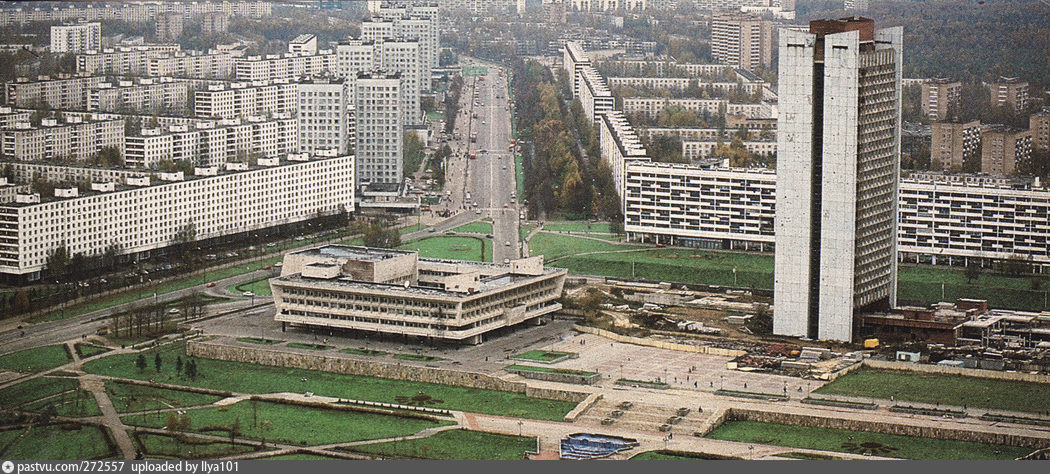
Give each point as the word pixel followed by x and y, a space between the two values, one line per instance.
pixel 211 284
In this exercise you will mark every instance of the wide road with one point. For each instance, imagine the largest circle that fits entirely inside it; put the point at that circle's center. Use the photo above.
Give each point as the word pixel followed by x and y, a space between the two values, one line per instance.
pixel 491 177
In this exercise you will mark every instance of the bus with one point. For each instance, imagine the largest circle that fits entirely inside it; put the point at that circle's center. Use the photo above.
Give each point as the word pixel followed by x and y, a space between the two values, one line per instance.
pixel 473 154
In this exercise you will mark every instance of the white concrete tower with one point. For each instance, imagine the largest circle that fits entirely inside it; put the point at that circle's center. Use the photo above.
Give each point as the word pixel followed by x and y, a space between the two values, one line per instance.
pixel 837 175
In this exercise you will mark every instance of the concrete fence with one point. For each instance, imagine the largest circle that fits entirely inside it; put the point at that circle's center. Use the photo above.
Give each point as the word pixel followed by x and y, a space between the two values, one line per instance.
pixel 936 432
pixel 345 365
pixel 659 344
pixel 942 370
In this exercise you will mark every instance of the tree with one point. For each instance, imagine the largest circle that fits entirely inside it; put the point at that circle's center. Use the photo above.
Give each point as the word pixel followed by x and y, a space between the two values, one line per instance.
pixel 140 362
pixel 191 369
pixel 379 236
pixel 178 365
pixel 762 321
pixel 22 304
pixel 235 428
pixel 157 362
pixel 57 260
pixel 972 272
pixel 110 156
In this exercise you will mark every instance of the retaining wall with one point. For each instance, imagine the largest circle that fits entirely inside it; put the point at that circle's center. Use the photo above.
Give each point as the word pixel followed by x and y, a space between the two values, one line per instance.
pixel 940 369
pixel 887 428
pixel 659 344
pixel 559 377
pixel 343 365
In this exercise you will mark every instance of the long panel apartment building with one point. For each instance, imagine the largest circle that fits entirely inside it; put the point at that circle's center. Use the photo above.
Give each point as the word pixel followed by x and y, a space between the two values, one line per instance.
pixel 214 143
pixel 574 60
pixel 129 12
pixel 123 60
pixel 394 292
pixel 57 93
pixel 146 95
pixel 74 138
pixel 145 213
pixel 210 65
pixel 287 66
pixel 243 99
pixel 76 38
pixel 595 96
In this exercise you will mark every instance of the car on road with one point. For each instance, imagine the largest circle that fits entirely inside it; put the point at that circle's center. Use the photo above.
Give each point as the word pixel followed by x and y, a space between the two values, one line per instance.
pixel 267 267
pixel 247 294
pixel 477 211
pixel 488 236
pixel 507 243
pixel 431 230
pixel 506 260
pixel 211 284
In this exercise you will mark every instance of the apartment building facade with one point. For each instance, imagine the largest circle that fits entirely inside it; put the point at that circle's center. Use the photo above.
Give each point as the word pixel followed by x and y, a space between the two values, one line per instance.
pixel 213 143
pixel 74 138
pixel 953 144
pixel 57 93
pixel 939 97
pixel 379 132
pixel 146 95
pixel 76 38
pixel 1004 148
pixel 323 114
pixel 210 65
pixel 595 96
pixel 742 41
pixel 1009 92
pixel 123 60
pixel 243 99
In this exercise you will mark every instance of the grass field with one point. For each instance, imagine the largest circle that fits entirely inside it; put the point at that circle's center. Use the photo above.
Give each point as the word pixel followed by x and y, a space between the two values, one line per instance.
pixel 165 447
pixel 543 356
pixel 577 226
pixel 949 389
pixel 549 370
pixel 435 116
pixel 37 359
pixel 175 285
pixel 475 71
pixel 57 442
pixel 409 229
pixel 553 246
pixel 668 455
pixel 130 398
pixel 452 247
pixel 75 403
pixel 524 230
pixel 255 340
pixel 860 442
pixel 312 347
pixel 88 350
pixel 477 227
pixel 256 379
pixel 258 286
pixel 298 457
pixel 291 424
pixel 453 445
pixel 363 352
pixel 35 389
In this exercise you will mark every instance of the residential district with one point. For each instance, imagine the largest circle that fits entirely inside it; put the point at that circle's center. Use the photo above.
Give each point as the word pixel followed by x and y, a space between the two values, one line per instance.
pixel 524 229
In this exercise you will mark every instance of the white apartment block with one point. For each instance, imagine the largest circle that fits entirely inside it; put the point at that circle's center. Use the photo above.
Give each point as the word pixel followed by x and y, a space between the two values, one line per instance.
pixel 57 93
pixel 699 149
pixel 74 138
pixel 144 214
pixel 214 23
pixel 573 61
pixel 146 95
pixel 303 45
pixel 9 116
pixel 405 28
pixel 323 114
pixel 681 83
pixel 130 12
pixel 243 99
pixel 210 65
pixel 357 56
pixel 123 60
pixel 169 25
pixel 284 66
pixel 76 38
pixel 377 112
pixel 396 292
pixel 838 168
pixel 742 41
pixel 684 134
pixel 213 143
pixel 690 206
pixel 606 5
pixel 620 146
pixel 651 107
pixel 640 67
pixel 595 96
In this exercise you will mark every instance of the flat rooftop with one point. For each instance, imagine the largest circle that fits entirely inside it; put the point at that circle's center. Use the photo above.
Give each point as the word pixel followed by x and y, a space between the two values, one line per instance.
pixel 361 254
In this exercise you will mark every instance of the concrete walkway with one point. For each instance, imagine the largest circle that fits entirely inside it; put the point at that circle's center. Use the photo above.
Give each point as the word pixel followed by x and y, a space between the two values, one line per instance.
pixel 110 417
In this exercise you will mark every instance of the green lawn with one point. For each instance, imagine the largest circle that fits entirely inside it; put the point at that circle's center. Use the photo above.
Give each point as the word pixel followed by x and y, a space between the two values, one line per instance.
pixel 37 359
pixel 435 116
pixel 57 442
pixel 475 71
pixel 553 246
pixel 519 173
pixel 312 347
pixel 258 286
pixel 477 227
pixel 577 226
pixel 543 356
pixel 251 378
pixel 35 389
pixel 298 457
pixel 452 247
pixel 165 447
pixel 256 340
pixel 363 352
pixel 130 398
pixel 409 229
pixel 291 424
pixel 859 442
pixel 75 403
pixel 923 285
pixel 549 370
pixel 455 445
pixel 935 388
pixel 524 230
pixel 88 350
pixel 175 285
pixel 669 455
